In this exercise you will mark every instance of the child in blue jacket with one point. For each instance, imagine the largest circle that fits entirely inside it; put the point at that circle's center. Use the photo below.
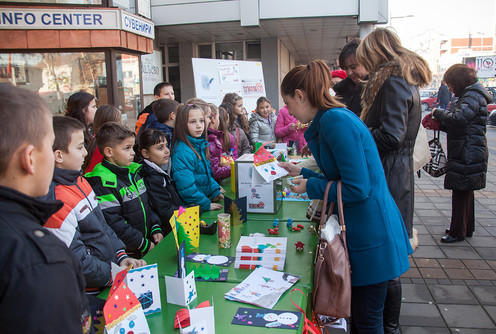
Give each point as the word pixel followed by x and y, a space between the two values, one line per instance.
pixel 190 160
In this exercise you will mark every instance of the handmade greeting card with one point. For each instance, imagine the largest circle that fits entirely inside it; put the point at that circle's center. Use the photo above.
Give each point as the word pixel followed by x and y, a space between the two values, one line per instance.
pixel 237 209
pixel 266 165
pixel 181 290
pixel 122 311
pixel 202 320
pixel 271 319
pixel 185 224
pixel 263 287
pixel 143 282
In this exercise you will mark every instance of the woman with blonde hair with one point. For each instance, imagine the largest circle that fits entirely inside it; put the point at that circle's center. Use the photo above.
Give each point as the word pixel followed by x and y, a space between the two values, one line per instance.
pixel 391 109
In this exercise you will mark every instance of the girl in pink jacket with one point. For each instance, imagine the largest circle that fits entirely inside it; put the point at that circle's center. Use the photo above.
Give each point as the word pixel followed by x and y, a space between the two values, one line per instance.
pixel 290 129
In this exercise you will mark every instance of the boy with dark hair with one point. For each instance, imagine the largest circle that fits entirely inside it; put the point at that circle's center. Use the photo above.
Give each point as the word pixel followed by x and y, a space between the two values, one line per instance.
pixel 122 193
pixel 165 113
pixel 41 284
pixel 163 90
pixel 80 223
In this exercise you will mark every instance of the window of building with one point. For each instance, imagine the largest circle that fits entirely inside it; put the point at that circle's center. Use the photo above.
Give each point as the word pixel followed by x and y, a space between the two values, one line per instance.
pixel 128 97
pixel 253 50
pixel 230 50
pixel 173 54
pixel 56 76
pixel 127 5
pixel 205 51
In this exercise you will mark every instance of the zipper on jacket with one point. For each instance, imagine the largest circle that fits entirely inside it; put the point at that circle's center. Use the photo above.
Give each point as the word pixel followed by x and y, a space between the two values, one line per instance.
pixel 141 202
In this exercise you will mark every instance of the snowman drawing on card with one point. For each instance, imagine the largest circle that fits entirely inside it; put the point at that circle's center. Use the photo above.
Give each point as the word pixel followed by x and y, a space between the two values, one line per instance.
pixel 267 166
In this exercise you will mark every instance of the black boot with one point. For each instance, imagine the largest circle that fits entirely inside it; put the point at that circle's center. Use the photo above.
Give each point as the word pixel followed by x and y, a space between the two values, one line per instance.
pixel 392 307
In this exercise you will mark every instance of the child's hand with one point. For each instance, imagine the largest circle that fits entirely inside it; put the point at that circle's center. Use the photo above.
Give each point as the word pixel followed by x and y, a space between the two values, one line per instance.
pixel 305 151
pixel 222 190
pixel 301 186
pixel 152 245
pixel 291 168
pixel 134 262
pixel 157 237
pixel 292 126
pixel 219 197
pixel 215 206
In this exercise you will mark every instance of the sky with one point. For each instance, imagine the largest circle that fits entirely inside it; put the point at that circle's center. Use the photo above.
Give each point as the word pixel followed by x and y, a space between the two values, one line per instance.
pixel 452 18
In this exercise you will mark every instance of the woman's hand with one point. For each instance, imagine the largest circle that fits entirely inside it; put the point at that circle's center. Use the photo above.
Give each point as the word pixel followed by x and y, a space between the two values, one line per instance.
pixel 305 151
pixel 291 168
pixel 301 186
pixel 215 206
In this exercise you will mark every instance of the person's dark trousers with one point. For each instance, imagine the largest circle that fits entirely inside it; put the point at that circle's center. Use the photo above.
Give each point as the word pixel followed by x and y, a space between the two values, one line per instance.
pixel 392 307
pixel 443 106
pixel 462 213
pixel 367 306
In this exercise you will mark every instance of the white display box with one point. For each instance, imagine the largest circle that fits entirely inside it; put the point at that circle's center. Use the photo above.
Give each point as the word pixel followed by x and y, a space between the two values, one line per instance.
pixel 260 198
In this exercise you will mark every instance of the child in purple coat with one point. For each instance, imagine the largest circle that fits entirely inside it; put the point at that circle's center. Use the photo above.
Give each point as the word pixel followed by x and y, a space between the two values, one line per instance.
pixel 290 129
pixel 222 145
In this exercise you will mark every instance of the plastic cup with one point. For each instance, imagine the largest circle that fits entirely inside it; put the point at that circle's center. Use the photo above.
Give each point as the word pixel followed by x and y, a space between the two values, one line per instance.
pixel 224 229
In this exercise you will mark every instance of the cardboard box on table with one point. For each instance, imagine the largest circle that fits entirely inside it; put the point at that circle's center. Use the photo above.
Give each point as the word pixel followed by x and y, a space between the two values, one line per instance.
pixel 261 198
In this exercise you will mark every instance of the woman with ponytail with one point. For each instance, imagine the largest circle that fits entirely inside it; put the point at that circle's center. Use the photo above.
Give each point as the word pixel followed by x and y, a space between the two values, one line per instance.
pixel 344 149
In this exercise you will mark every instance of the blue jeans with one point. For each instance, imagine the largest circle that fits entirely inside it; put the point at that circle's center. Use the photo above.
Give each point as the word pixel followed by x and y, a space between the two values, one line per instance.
pixel 367 306
pixel 443 106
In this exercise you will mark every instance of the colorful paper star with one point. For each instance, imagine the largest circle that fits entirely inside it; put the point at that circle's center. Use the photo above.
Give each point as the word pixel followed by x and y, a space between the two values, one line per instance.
pixel 299 245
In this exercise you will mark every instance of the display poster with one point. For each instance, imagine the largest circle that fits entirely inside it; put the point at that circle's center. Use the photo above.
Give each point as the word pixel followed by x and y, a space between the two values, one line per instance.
pixel 151 71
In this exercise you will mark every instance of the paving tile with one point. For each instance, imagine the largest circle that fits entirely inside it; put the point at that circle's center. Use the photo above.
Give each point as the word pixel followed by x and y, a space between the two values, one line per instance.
pixel 427 263
pixel 485 294
pixel 481 241
pixel 412 273
pixel 438 219
pixel 437 231
pixel 459 274
pixel 491 310
pixel 424 206
pixel 443 206
pixel 429 252
pixel 445 281
pixel 465 316
pixel 424 330
pixel 413 314
pixel 426 240
pixel 418 281
pixel 471 282
pixel 485 282
pixel 432 273
pixel 457 282
pixel 486 221
pixel 421 229
pixel 415 293
pixel 461 252
pixel 473 331
pixel 476 264
pixel 452 263
pixel 452 294
pixel 481 274
pixel 492 263
pixel 487 253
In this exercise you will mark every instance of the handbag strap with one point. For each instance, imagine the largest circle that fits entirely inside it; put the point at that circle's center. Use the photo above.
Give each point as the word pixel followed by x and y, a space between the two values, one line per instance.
pixel 325 214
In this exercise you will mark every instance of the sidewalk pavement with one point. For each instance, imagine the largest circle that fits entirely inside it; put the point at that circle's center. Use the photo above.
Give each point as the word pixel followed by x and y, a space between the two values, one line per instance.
pixel 451 288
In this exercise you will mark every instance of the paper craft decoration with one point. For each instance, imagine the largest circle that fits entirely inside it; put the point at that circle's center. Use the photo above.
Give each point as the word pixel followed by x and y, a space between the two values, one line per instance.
pixel 202 320
pixel 218 260
pixel 263 287
pixel 143 282
pixel 205 272
pixel 185 224
pixel 266 166
pixel 271 319
pixel 122 311
pixel 181 291
pixel 237 209
pixel 267 252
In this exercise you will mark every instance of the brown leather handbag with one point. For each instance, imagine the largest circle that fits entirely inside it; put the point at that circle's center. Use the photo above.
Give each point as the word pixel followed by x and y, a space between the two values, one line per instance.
pixel 332 280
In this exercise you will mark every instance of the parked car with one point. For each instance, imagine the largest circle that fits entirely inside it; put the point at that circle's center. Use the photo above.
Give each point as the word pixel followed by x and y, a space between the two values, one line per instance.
pixel 491 120
pixel 429 102
pixel 425 93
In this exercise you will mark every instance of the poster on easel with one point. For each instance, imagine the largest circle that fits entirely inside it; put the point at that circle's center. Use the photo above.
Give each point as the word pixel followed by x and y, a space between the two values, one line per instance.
pixel 216 77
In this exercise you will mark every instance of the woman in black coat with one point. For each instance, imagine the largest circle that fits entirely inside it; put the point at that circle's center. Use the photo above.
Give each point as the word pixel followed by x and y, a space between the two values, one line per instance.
pixel 465 126
pixel 391 109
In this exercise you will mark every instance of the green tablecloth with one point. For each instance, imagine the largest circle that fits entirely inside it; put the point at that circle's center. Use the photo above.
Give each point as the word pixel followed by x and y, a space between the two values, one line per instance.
pixel 298 263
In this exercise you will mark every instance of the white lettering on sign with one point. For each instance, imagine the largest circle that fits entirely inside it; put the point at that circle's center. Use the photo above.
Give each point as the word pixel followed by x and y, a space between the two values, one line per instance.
pixel 137 25
pixel 39 18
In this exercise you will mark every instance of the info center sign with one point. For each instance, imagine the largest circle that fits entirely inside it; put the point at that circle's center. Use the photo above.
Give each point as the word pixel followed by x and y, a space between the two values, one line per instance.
pixel 68 19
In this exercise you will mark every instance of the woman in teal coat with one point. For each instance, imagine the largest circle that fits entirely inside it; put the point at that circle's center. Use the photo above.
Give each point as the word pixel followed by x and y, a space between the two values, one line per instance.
pixel 344 149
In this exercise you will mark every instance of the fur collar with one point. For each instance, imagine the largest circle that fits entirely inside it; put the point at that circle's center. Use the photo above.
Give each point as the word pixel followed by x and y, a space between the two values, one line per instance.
pixel 374 84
